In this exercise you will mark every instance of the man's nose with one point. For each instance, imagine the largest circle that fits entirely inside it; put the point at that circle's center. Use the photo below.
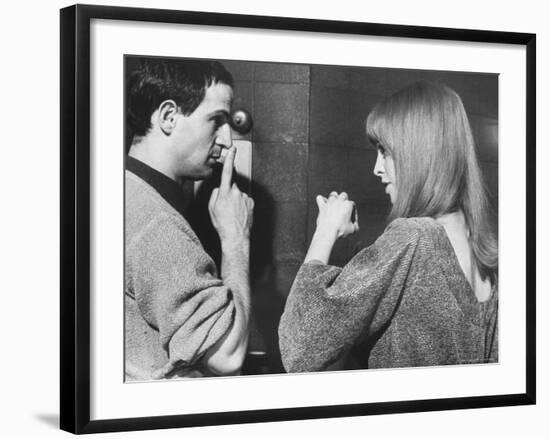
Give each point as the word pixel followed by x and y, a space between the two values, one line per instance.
pixel 224 136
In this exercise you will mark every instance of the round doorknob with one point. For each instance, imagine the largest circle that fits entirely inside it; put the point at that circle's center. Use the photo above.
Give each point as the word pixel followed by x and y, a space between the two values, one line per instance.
pixel 241 121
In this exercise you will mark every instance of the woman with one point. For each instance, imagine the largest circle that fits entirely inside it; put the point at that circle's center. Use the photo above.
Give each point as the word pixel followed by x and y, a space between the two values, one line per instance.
pixel 425 293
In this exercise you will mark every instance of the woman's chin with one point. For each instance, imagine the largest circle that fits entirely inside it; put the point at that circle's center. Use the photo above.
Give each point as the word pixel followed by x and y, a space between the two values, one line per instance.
pixel 389 190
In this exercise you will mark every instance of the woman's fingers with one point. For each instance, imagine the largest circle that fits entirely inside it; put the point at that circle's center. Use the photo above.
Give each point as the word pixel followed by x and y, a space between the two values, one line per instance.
pixel 338 213
pixel 321 201
pixel 341 195
pixel 333 196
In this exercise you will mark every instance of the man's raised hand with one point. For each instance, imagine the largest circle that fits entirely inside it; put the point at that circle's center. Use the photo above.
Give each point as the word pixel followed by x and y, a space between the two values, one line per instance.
pixel 230 209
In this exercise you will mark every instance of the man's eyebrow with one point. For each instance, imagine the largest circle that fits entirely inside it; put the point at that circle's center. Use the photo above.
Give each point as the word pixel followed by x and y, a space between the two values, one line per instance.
pixel 221 111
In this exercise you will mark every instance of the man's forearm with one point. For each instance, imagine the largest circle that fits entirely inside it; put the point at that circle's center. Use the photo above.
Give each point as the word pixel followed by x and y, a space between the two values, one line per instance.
pixel 227 356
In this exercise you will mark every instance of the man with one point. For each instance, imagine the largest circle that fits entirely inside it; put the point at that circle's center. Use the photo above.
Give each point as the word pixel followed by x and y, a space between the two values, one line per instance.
pixel 181 318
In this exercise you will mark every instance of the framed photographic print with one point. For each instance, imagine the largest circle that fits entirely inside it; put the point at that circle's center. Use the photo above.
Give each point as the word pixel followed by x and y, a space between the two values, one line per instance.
pixel 274 218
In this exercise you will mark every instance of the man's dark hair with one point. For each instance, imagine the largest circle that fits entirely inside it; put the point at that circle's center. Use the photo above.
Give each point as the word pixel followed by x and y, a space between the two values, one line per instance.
pixel 156 80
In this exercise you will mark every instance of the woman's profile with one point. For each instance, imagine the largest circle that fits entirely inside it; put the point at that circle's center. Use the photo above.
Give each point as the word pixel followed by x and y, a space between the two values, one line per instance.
pixel 425 292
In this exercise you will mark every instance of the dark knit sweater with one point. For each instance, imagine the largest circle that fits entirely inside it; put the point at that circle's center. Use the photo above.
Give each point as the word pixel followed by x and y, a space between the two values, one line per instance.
pixel 404 301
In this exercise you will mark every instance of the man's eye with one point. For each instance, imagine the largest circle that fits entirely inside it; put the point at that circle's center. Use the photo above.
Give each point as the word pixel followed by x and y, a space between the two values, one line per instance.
pixel 219 120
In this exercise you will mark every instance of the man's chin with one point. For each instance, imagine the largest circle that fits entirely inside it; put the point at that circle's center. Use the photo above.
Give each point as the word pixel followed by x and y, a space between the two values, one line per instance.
pixel 207 172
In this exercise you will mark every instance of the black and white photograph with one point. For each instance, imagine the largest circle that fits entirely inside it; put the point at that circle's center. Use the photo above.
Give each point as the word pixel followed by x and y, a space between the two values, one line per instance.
pixel 275 219
pixel 284 218
pixel 292 219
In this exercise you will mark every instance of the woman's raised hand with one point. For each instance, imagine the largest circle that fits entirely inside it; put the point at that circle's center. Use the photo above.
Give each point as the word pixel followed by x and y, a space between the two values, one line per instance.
pixel 337 215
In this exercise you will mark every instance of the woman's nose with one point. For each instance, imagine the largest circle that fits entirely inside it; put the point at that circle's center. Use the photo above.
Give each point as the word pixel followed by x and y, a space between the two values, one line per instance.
pixel 379 165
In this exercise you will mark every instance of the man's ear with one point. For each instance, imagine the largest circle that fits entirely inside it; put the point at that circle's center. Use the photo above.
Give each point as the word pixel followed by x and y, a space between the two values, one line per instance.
pixel 167 116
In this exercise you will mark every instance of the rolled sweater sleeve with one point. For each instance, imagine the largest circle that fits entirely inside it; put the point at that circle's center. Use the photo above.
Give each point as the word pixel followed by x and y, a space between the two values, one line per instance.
pixel 328 308
pixel 177 290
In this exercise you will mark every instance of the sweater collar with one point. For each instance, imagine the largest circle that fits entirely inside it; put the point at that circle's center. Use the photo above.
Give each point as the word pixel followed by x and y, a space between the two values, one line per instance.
pixel 168 189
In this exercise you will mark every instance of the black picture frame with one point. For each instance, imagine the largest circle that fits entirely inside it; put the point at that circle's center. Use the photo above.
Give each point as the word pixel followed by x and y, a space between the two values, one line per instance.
pixel 75 217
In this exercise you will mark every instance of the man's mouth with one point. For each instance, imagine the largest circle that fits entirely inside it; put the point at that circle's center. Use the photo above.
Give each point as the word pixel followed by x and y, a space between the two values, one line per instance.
pixel 220 156
pixel 214 156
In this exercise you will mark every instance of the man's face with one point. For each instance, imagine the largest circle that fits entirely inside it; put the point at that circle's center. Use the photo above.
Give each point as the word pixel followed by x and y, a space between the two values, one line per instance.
pixel 199 138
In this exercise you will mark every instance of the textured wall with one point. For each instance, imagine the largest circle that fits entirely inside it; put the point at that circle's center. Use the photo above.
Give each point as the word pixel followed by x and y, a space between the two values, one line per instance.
pixel 278 97
pixel 341 158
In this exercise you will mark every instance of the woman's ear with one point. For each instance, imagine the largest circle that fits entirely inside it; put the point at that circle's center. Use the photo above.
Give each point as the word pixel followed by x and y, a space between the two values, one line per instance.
pixel 167 113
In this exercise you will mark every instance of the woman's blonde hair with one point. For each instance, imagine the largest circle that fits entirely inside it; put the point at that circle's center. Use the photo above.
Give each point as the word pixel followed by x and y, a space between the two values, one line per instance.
pixel 425 129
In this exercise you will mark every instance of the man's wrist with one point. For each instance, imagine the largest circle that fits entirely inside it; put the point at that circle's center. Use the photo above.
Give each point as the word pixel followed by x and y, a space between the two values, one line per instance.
pixel 241 243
